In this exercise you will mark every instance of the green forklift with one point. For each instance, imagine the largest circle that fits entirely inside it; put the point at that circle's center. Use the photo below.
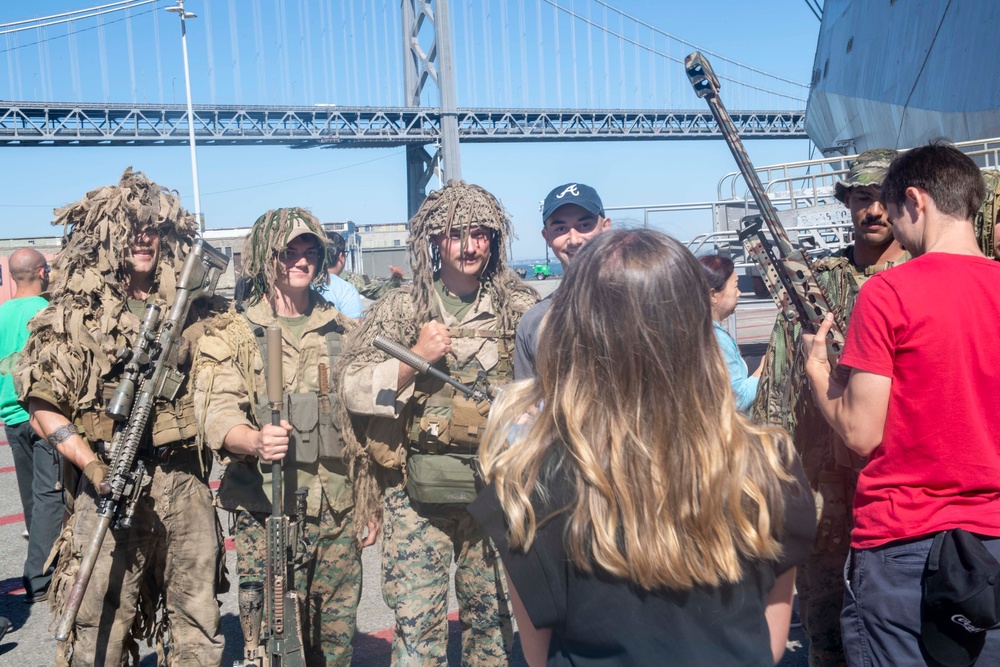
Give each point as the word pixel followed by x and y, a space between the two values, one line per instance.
pixel 542 271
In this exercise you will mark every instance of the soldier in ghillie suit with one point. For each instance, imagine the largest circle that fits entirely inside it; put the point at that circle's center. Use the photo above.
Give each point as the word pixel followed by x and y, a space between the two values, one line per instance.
pixel 784 399
pixel 374 289
pixel 987 222
pixel 421 439
pixel 160 577
pixel 284 265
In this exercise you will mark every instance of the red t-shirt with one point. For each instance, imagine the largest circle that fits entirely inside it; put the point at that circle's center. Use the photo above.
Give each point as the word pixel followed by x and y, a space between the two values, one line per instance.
pixel 933 326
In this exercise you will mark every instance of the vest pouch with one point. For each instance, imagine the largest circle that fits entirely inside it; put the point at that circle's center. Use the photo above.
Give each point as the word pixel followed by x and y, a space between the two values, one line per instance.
pixel 468 423
pixel 303 415
pixel 96 424
pixel 441 479
pixel 174 422
pixel 331 442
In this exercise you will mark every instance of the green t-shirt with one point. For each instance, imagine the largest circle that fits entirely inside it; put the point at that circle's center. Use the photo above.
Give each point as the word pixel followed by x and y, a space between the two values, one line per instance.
pixel 458 306
pixel 137 307
pixel 14 316
pixel 297 325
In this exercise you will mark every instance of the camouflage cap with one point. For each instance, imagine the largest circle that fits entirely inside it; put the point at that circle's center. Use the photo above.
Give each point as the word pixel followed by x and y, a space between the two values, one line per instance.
pixel 869 168
pixel 270 234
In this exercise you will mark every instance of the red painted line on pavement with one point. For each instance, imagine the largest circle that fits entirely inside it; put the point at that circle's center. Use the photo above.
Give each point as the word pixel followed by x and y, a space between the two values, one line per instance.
pixel 7 469
pixel 11 518
pixel 12 587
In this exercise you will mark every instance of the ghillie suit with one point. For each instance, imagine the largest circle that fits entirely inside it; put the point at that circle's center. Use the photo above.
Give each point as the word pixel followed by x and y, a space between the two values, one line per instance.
pixel 230 392
pixel 70 362
pixel 987 218
pixel 424 429
pixel 370 288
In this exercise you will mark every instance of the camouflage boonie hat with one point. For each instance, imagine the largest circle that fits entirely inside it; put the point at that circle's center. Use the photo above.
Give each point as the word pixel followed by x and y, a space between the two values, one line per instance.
pixel 869 168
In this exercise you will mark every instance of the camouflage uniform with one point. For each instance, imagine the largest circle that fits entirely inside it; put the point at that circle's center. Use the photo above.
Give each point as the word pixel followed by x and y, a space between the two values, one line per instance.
pixel 785 399
pixel 161 576
pixel 230 390
pixel 420 540
pixel 371 288
pixel 987 219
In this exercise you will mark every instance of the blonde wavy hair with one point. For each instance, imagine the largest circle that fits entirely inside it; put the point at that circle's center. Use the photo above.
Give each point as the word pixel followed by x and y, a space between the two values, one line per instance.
pixel 670 486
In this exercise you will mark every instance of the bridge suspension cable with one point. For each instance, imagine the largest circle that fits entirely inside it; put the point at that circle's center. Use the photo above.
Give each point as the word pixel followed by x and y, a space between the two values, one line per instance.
pixel 68 17
pixel 509 54
pixel 690 47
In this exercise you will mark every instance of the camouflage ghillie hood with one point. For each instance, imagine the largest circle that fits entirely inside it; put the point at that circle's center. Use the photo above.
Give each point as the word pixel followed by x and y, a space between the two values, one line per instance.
pixel 986 219
pixel 402 312
pixel 269 236
pixel 457 205
pixel 869 168
pixel 74 340
pixel 102 225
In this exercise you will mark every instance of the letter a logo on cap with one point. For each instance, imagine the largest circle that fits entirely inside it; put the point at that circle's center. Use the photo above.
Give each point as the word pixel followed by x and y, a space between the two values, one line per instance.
pixel 571 190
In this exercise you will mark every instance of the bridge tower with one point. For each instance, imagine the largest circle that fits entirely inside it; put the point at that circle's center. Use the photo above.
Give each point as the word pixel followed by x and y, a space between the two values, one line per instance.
pixel 434 66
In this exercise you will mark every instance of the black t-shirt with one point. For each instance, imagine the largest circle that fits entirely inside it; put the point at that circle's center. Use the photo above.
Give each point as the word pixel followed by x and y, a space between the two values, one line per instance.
pixel 597 619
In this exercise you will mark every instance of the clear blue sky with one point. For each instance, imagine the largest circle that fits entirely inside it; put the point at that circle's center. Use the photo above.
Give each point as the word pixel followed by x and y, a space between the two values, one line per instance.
pixel 368 185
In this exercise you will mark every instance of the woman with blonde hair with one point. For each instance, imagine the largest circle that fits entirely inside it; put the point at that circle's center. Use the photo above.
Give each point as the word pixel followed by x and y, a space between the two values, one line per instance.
pixel 640 519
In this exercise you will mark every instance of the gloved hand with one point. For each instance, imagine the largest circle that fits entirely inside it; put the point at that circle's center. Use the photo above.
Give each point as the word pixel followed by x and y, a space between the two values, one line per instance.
pixel 97 472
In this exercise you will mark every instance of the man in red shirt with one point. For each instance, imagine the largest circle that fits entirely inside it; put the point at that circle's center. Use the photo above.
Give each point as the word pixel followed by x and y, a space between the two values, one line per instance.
pixel 923 387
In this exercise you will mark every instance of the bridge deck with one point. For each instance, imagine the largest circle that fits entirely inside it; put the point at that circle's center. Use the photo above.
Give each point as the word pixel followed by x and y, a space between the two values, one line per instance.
pixel 34 123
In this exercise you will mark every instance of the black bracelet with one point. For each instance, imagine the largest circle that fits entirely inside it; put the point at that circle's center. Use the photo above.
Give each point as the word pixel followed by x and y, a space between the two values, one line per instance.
pixel 61 434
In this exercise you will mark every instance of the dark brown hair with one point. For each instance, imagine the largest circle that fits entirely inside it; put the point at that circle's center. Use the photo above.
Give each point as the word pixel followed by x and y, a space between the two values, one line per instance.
pixel 718 270
pixel 947 174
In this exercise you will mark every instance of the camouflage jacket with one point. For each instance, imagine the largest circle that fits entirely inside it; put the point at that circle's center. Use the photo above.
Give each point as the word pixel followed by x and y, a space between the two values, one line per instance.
pixel 369 382
pixel 784 397
pixel 229 386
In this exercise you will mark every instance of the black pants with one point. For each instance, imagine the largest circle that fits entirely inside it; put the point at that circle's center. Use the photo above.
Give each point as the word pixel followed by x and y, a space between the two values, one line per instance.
pixel 37 467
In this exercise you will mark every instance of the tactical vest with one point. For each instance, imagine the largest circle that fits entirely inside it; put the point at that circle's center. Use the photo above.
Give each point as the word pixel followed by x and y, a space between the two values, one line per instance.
pixel 444 421
pixel 312 414
pixel 172 424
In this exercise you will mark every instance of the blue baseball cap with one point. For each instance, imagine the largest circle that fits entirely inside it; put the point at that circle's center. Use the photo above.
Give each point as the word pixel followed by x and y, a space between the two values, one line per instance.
pixel 572 193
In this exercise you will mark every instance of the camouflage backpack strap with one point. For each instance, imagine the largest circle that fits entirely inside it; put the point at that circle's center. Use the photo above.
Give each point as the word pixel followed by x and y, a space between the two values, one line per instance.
pixel 334 341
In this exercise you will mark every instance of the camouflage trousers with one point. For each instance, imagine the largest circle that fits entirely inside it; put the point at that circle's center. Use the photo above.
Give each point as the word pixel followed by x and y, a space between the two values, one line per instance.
pixel 820 585
pixel 169 560
pixel 417 552
pixel 328 581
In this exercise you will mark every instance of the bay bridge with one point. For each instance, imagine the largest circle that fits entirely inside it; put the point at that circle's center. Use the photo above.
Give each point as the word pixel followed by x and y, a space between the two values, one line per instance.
pixel 424 74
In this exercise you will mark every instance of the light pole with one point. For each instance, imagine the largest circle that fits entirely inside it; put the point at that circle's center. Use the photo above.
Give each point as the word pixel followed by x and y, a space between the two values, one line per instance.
pixel 179 10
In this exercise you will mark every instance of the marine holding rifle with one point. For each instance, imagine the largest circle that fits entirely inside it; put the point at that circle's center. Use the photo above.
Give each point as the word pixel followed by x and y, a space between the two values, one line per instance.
pixel 159 577
pixel 420 437
pixel 285 258
pixel 784 399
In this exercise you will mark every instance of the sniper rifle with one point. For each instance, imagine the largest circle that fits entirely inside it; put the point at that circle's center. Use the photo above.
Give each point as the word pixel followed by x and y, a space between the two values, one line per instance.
pixel 789 273
pixel 281 645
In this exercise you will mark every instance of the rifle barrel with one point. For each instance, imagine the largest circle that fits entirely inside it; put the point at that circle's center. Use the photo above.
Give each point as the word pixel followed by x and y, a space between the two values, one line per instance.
pixel 408 357
pixel 76 592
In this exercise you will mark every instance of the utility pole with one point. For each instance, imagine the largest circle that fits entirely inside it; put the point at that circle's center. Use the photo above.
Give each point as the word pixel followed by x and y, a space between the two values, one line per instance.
pixel 436 65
